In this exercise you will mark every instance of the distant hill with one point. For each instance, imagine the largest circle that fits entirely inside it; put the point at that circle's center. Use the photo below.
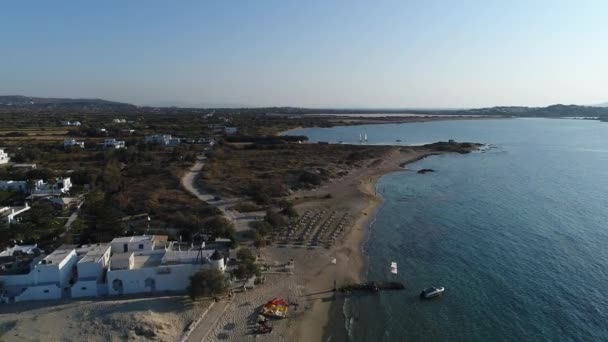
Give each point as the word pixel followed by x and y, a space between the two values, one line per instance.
pixel 26 102
pixel 63 105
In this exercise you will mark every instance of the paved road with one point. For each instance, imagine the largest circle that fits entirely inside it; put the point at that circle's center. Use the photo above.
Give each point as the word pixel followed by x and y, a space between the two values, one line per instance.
pixel 207 323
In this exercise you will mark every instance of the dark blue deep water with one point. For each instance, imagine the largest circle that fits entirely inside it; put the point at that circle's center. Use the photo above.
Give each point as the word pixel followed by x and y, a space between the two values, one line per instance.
pixel 517 234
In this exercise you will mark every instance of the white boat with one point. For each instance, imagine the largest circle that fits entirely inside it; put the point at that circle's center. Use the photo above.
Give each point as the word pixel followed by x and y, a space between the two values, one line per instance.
pixel 360 138
pixel 365 137
pixel 393 267
pixel 432 292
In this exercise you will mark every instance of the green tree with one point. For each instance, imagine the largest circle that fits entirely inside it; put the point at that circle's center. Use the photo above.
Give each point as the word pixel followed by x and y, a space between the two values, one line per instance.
pixel 219 226
pixel 210 282
pixel 263 228
pixel 275 220
pixel 245 254
pixel 112 178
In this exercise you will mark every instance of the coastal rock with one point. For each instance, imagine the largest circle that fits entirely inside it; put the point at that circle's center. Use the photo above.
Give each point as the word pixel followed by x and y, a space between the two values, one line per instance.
pixel 423 171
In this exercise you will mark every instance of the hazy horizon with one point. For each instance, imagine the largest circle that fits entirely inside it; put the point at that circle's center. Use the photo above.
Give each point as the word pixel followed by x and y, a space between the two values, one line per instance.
pixel 342 54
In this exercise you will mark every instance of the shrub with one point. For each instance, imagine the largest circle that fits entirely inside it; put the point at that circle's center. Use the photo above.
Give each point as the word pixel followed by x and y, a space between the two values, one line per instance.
pixel 206 283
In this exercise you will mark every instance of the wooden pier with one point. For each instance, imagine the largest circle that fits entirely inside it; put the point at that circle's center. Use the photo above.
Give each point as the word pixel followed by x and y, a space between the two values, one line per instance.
pixel 372 286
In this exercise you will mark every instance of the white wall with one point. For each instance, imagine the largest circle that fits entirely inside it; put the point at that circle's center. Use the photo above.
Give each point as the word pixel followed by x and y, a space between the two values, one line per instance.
pixel 134 281
pixel 118 247
pixel 40 292
pixel 89 269
pixel 3 157
pixel 62 272
pixel 18 279
pixel 84 289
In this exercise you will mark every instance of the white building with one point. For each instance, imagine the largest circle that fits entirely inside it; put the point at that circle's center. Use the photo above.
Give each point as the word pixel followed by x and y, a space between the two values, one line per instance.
pixel 162 139
pixel 12 185
pixel 69 123
pixel 9 214
pixel 230 130
pixel 20 249
pixel 113 143
pixel 38 186
pixel 155 271
pixel 134 243
pixel 90 280
pixel 94 271
pixel 119 121
pixel 73 143
pixel 61 186
pixel 3 157
pixel 35 279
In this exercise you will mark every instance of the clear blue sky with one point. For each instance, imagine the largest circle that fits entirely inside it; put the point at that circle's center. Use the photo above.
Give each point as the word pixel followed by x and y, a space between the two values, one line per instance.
pixel 308 53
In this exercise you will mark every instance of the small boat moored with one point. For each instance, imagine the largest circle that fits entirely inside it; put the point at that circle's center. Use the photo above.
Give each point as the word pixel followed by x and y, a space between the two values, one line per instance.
pixel 431 292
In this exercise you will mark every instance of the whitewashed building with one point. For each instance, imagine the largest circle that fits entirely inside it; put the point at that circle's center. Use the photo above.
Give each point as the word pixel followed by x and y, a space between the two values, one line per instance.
pixel 162 139
pixel 93 259
pixel 38 279
pixel 21 186
pixel 10 214
pixel 230 130
pixel 4 157
pixel 102 269
pixel 156 271
pixel 61 186
pixel 67 143
pixel 113 143
pixel 19 250
pixel 133 244
pixel 38 186
pixel 69 123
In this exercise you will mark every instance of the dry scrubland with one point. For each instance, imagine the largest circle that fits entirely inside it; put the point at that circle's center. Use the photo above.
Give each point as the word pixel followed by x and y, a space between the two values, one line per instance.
pixel 275 170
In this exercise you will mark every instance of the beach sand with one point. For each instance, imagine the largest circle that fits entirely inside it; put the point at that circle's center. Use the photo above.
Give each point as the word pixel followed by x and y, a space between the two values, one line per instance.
pixel 112 319
pixel 356 194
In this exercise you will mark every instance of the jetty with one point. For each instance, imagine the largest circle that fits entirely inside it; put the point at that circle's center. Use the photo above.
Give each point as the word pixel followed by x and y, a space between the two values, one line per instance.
pixel 372 286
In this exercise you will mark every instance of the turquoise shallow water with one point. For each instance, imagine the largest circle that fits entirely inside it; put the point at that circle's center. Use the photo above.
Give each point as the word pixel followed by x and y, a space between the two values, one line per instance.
pixel 518 234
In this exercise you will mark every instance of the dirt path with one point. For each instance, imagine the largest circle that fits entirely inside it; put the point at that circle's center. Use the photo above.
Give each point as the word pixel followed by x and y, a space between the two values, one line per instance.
pixel 240 220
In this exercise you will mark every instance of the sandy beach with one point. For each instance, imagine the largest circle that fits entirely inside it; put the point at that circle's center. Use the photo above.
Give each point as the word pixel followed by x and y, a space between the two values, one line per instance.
pixel 110 319
pixel 356 194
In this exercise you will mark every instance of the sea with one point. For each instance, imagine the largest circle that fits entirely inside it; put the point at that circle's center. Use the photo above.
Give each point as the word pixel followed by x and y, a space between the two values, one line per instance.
pixel 517 234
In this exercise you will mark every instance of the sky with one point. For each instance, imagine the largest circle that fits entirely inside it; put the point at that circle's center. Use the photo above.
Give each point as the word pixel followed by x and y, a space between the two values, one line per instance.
pixel 314 53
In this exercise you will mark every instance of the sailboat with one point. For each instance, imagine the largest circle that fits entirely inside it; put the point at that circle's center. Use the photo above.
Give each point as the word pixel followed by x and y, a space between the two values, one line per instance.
pixel 393 267
pixel 360 139
pixel 365 137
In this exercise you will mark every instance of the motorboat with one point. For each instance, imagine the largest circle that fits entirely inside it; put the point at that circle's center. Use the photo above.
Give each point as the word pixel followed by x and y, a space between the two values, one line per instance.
pixel 431 292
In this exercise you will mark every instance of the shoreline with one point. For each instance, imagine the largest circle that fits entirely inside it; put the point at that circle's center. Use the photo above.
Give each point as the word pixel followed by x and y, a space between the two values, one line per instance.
pixel 321 321
pixel 356 121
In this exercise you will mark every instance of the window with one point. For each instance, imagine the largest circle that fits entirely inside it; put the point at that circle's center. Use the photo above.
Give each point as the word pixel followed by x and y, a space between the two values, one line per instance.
pixel 141 246
pixel 46 291
pixel 83 288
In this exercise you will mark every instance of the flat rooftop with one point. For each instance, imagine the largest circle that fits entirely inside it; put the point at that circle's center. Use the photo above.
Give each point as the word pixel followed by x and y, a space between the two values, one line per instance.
pixel 120 261
pixel 131 239
pixel 147 260
pixel 13 265
pixel 93 252
pixel 59 254
pixel 185 257
pixel 24 249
